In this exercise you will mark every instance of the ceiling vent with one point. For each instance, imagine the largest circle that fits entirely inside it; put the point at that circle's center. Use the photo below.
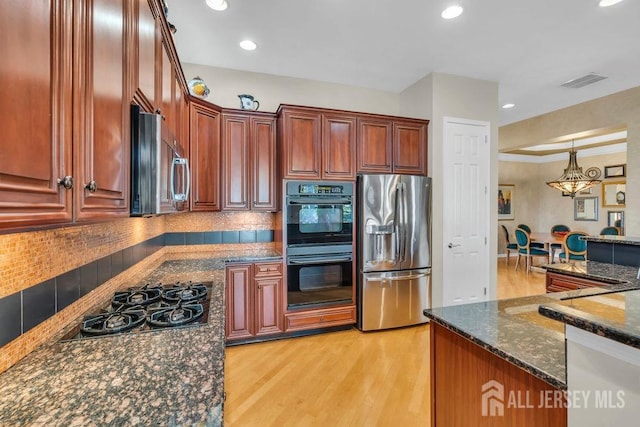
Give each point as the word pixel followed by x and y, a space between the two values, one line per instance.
pixel 583 81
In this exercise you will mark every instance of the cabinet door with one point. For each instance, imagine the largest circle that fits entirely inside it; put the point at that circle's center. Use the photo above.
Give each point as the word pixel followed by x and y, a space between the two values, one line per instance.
pixel 263 154
pixel 235 162
pixel 166 91
pixel 35 105
pixel 239 319
pixel 374 145
pixel 148 37
pixel 410 148
pixel 204 158
pixel 338 145
pixel 301 144
pixel 268 306
pixel 102 95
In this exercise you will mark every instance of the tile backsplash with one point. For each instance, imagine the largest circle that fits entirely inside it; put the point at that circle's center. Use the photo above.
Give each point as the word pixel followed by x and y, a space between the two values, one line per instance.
pixel 50 277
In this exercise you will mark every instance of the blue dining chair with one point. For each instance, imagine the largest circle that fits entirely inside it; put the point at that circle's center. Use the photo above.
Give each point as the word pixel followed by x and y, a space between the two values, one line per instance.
pixel 526 250
pixel 526 228
pixel 575 248
pixel 610 231
pixel 510 246
pixel 553 247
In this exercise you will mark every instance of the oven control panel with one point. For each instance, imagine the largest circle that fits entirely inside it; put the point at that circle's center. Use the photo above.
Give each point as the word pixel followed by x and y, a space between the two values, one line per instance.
pixel 302 188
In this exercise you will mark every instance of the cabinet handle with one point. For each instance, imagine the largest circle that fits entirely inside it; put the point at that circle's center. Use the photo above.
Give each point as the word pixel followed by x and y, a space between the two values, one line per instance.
pixel 66 182
pixel 92 186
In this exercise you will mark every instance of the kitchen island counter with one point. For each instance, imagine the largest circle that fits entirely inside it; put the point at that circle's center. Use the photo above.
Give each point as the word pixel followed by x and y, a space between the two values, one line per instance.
pixel 166 377
pixel 515 331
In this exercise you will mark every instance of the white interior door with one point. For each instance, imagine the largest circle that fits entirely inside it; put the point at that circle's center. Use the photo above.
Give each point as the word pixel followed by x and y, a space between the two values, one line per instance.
pixel 465 249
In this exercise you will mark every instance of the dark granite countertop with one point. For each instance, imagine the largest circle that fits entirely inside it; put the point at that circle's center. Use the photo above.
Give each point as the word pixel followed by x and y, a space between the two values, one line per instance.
pixel 615 315
pixel 624 240
pixel 601 271
pixel 168 377
pixel 513 330
pixel 524 331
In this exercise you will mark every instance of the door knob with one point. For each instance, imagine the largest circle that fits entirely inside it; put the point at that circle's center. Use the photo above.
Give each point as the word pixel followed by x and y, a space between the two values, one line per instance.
pixel 451 245
pixel 66 182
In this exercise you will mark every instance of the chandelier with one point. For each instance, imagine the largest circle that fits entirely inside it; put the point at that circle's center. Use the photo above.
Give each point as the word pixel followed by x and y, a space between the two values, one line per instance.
pixel 573 180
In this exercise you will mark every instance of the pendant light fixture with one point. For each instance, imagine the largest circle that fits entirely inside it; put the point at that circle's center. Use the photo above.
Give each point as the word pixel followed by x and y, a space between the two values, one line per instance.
pixel 573 180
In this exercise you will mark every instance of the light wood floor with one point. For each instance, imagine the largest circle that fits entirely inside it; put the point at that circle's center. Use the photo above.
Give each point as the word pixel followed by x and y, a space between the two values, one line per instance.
pixel 346 378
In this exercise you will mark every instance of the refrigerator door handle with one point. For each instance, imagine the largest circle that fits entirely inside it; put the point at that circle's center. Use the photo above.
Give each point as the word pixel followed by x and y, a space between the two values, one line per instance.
pixel 397 278
pixel 405 222
pixel 398 221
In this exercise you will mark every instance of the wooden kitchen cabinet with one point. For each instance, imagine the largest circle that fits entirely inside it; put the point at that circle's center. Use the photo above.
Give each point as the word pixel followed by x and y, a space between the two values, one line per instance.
pixel 299 131
pixel 320 318
pixel 148 37
pixel 66 111
pixel 249 161
pixel 392 145
pixel 317 143
pixel 204 137
pixel 374 145
pixel 557 282
pixel 410 147
pixel 101 114
pixel 338 146
pixel 36 109
pixel 253 295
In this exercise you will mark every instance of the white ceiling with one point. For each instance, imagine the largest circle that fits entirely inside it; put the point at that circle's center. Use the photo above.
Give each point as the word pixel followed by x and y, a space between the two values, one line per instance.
pixel 528 47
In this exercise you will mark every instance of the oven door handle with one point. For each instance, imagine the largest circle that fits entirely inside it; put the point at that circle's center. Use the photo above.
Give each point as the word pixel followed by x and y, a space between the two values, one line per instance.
pixel 317 201
pixel 318 260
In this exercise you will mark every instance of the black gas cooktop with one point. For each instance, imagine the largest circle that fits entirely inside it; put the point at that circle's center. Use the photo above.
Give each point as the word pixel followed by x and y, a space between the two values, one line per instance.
pixel 150 307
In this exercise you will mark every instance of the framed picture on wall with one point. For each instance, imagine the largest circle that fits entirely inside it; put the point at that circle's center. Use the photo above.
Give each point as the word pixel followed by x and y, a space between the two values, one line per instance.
pixel 505 201
pixel 615 171
pixel 585 209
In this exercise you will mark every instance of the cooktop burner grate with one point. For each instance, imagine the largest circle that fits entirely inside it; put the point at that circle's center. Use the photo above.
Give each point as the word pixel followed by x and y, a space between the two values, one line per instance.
pixel 148 308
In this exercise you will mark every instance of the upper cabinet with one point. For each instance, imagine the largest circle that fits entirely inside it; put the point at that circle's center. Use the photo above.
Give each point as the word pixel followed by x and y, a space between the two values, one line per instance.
pixel 148 37
pixel 204 137
pixel 248 161
pixel 330 144
pixel 101 108
pixel 65 113
pixel 392 145
pixel 317 143
pixel 35 106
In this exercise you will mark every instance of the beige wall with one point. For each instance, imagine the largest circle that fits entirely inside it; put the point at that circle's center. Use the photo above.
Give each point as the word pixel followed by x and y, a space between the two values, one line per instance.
pixel 437 96
pixel 271 91
pixel 615 111
pixel 540 206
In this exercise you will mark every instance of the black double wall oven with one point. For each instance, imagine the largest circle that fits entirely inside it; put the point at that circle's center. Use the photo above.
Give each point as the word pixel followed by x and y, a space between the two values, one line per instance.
pixel 319 241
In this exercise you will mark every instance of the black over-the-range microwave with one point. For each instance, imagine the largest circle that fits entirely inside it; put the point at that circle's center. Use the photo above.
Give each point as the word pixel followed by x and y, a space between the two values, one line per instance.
pixel 159 169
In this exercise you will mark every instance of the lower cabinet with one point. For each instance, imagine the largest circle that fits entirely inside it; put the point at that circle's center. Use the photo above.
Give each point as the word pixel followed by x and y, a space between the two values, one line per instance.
pixel 321 318
pixel 253 300
pixel 557 282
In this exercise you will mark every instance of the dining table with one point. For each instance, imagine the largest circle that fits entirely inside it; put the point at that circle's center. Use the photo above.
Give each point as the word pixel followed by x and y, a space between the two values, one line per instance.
pixel 547 239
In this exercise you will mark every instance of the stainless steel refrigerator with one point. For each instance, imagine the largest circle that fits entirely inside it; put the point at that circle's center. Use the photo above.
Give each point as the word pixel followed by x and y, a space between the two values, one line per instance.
pixel 393 250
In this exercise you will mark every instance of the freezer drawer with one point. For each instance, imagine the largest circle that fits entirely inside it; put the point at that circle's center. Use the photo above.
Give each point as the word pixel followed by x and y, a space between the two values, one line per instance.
pixel 394 299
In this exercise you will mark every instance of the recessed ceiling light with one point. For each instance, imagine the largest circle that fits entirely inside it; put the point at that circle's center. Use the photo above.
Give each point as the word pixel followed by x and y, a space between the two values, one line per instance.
pixel 509 105
pixel 219 5
pixel 607 3
pixel 452 12
pixel 248 45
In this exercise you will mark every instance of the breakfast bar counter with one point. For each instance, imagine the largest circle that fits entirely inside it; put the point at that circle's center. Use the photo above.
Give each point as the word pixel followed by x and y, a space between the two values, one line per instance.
pixel 166 377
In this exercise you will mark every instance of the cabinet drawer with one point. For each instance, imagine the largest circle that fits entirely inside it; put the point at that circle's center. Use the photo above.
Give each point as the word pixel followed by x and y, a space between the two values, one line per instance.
pixel 268 269
pixel 561 282
pixel 321 318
